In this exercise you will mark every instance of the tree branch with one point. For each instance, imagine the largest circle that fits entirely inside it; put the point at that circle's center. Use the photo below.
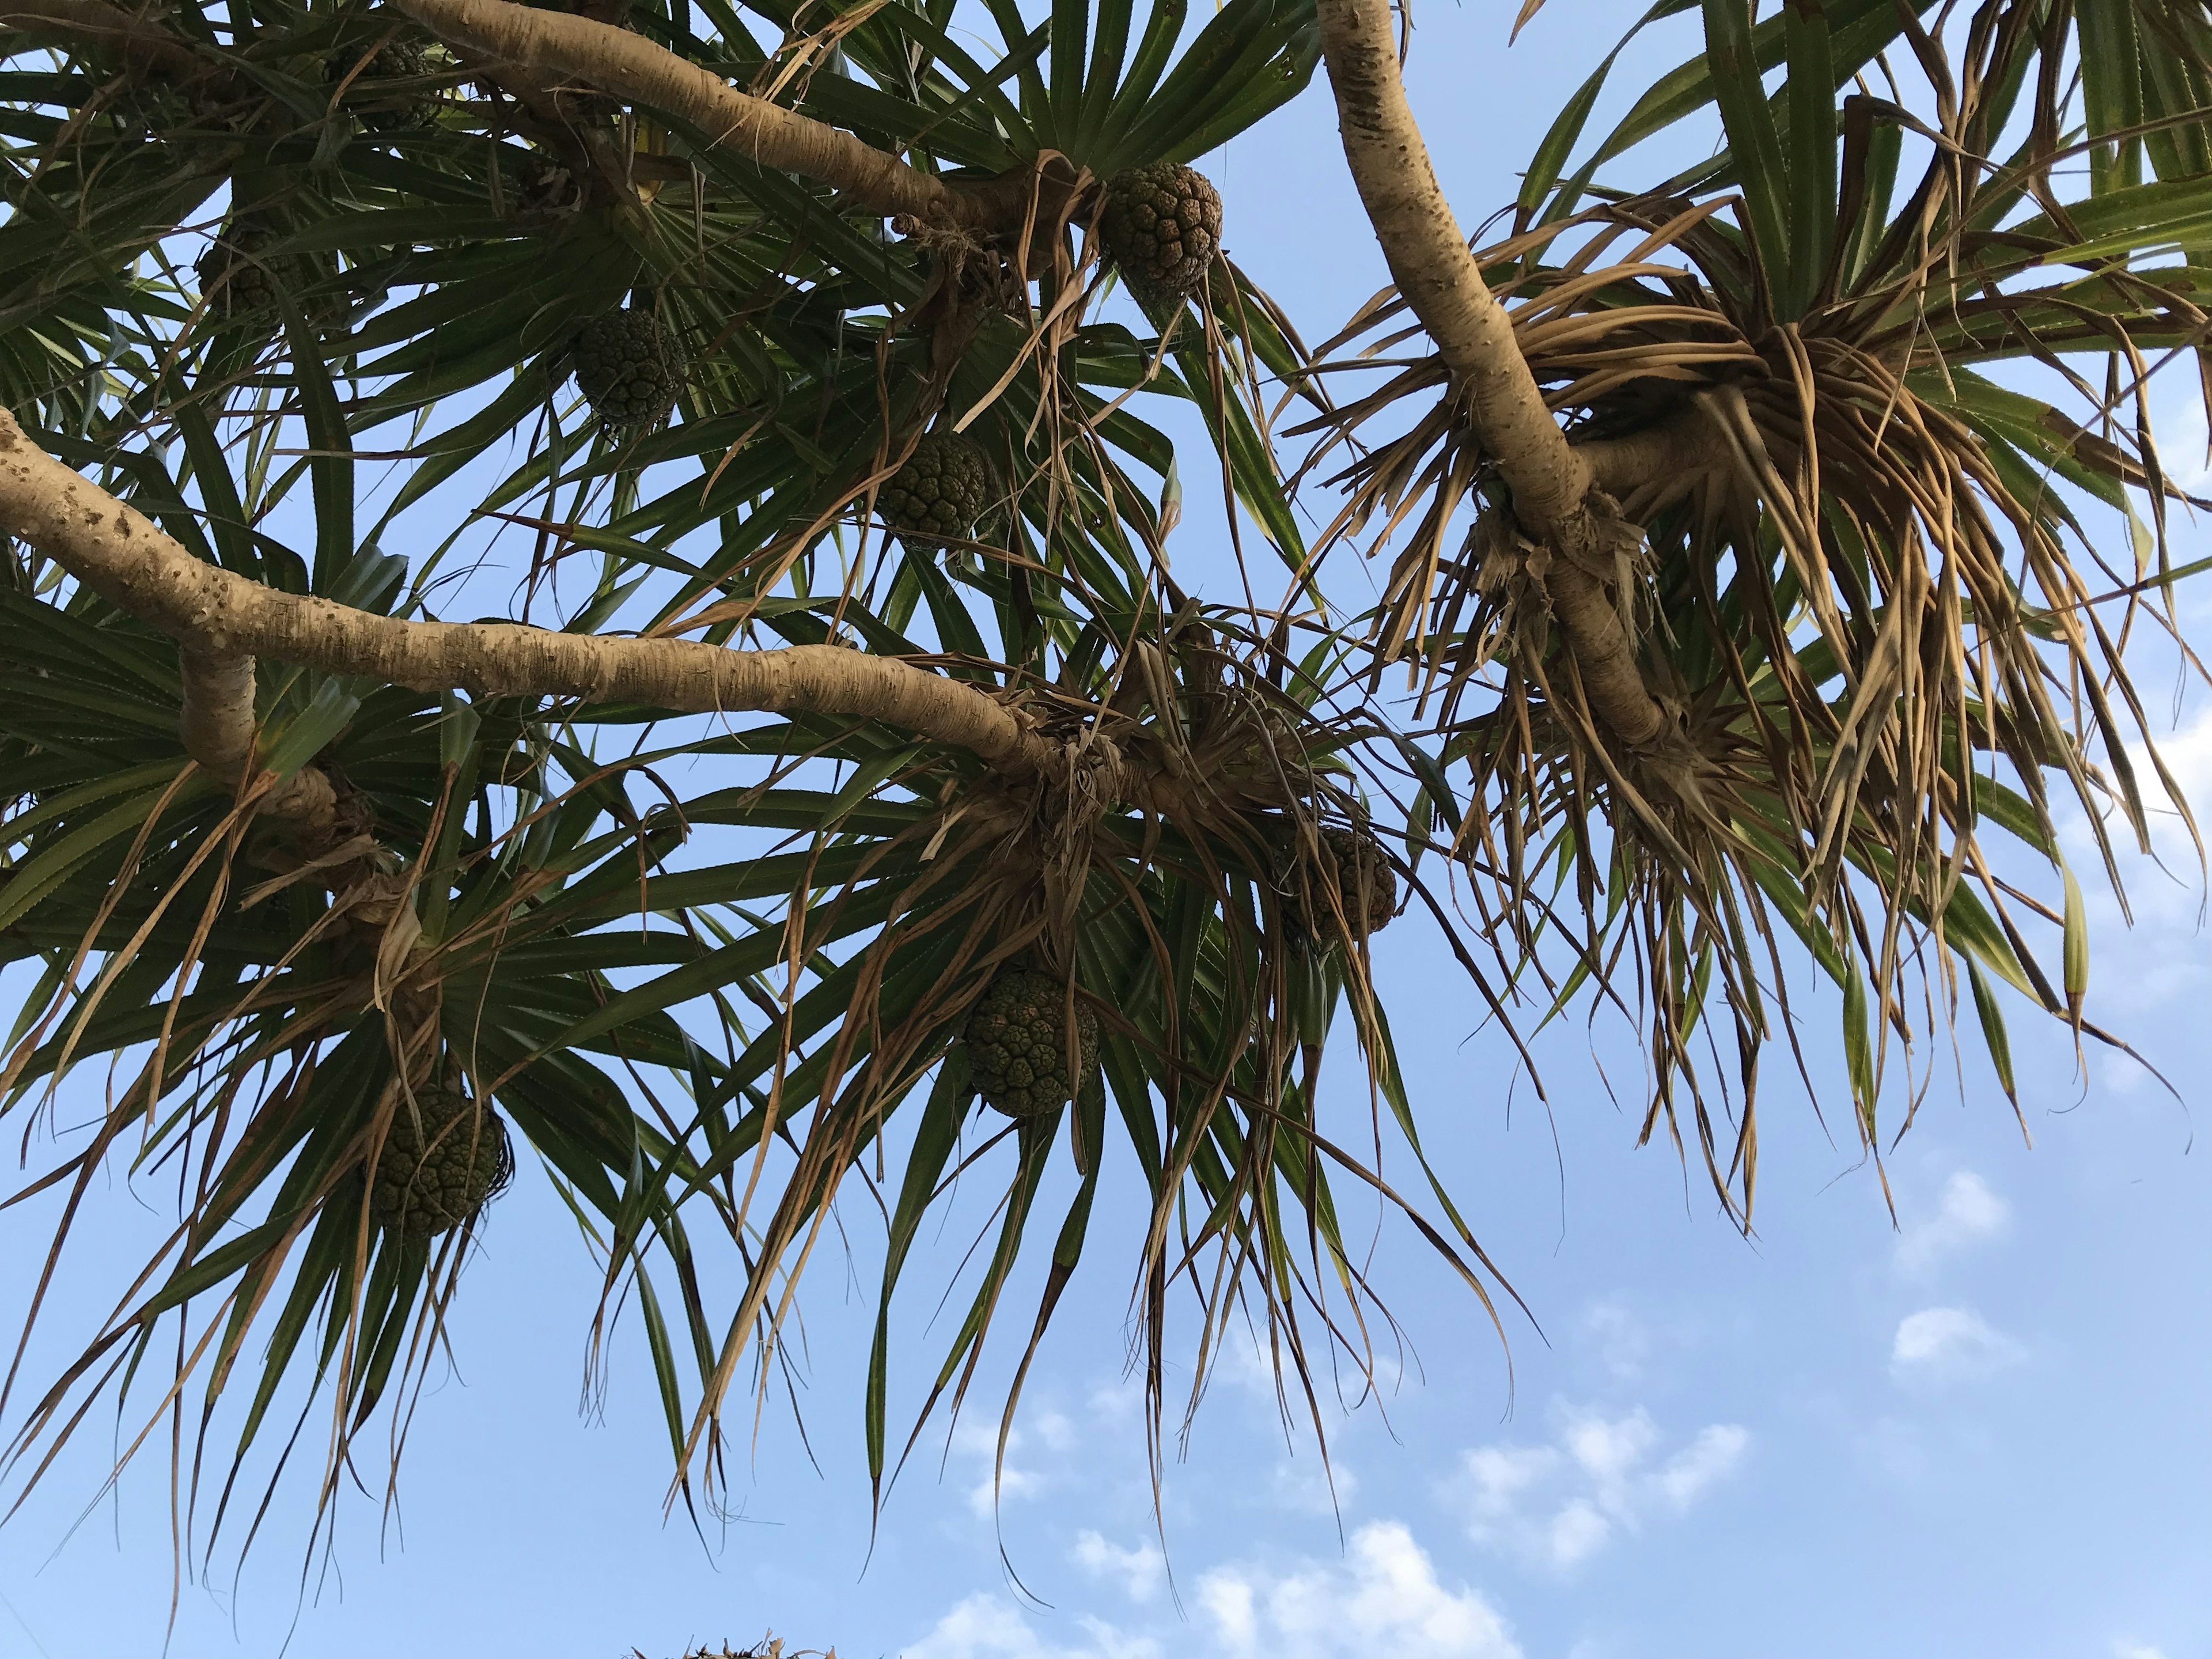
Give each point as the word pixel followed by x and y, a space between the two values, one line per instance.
pixel 220 618
pixel 1657 465
pixel 1430 261
pixel 145 47
pixel 217 724
pixel 589 153
pixel 619 61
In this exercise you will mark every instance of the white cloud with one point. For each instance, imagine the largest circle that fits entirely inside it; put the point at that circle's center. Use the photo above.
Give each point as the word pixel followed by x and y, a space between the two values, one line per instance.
pixel 1967 1214
pixel 996 1485
pixel 1561 1503
pixel 1305 1486
pixel 1140 1567
pixel 1609 1451
pixel 2135 1650
pixel 1712 1457
pixel 2188 755
pixel 1116 1402
pixel 1228 1600
pixel 1384 1597
pixel 1621 1341
pixel 992 1627
pixel 1576 1532
pixel 2181 446
pixel 1950 1344
pixel 2153 954
pixel 1498 1476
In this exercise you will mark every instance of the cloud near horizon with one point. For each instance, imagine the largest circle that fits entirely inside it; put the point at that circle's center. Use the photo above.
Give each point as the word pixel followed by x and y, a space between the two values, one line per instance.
pixel 1382 1596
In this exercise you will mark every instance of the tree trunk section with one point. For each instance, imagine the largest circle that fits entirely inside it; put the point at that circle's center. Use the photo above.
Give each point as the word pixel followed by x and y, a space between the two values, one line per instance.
pixel 1434 270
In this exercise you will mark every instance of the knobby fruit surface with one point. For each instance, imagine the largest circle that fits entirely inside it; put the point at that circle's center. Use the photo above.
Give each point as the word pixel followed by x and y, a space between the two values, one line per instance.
pixel 376 102
pixel 1017 1038
pixel 1367 887
pixel 235 278
pixel 628 367
pixel 445 1157
pixel 1162 226
pixel 940 491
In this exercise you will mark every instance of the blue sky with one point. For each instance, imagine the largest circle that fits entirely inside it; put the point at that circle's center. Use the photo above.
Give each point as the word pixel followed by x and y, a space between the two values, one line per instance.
pixel 1985 1433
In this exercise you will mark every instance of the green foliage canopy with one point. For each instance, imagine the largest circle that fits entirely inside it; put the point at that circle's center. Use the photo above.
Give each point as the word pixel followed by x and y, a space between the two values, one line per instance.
pixel 291 279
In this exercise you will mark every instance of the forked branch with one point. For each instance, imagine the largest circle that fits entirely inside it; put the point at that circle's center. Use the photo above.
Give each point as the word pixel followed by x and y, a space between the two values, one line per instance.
pixel 1437 275
pixel 220 618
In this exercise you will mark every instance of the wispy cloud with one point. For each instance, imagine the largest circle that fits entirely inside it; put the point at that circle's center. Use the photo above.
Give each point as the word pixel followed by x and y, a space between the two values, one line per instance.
pixel 2135 1650
pixel 1621 1342
pixel 1564 1502
pixel 1139 1568
pixel 1384 1596
pixel 2155 949
pixel 1967 1214
pixel 1712 1457
pixel 1949 1344
pixel 1303 1485
pixel 998 1485
pixel 2181 436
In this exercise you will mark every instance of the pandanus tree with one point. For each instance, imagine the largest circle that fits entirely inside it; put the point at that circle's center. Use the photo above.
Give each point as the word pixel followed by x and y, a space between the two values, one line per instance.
pixel 848 787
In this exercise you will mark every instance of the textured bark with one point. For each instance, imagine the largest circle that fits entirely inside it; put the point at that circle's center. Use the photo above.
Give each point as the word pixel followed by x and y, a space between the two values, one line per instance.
pixel 1430 262
pixel 217 723
pixel 619 61
pixel 1661 461
pixel 590 154
pixel 221 617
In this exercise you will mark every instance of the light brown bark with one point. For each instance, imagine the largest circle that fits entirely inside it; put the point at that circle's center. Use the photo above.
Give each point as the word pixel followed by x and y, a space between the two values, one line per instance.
pixel 1604 651
pixel 1661 461
pixel 619 61
pixel 217 720
pixel 587 151
pixel 1430 261
pixel 222 619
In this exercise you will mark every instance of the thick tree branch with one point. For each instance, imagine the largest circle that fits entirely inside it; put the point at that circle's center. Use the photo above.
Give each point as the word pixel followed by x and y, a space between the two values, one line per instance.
pixel 143 44
pixel 590 154
pixel 1428 259
pixel 217 724
pixel 619 61
pixel 220 618
pixel 1658 464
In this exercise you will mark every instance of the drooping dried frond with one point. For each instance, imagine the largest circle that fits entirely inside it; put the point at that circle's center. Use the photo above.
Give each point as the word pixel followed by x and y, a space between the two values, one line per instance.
pixel 1853 556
